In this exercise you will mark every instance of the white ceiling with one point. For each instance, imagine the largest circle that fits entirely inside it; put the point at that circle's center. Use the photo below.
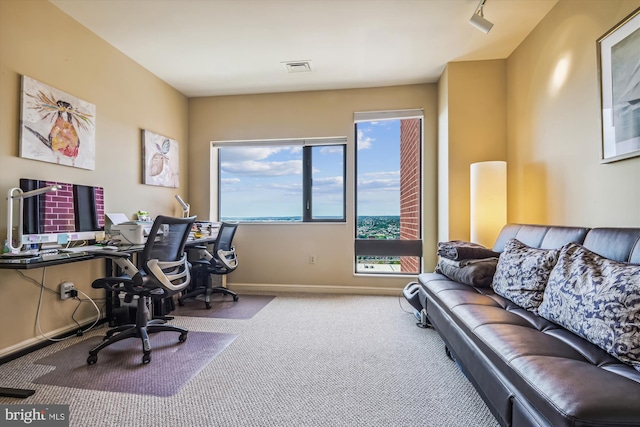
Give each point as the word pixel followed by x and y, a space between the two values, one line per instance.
pixel 229 47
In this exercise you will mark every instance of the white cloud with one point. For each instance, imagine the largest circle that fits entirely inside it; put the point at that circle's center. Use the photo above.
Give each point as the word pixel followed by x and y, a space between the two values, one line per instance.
pixel 228 181
pixel 239 154
pixel 264 169
pixel 331 149
pixel 332 184
pixel 379 181
pixel 364 142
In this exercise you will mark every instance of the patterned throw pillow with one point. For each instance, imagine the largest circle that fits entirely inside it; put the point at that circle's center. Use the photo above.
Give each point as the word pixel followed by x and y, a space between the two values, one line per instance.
pixel 522 273
pixel 598 299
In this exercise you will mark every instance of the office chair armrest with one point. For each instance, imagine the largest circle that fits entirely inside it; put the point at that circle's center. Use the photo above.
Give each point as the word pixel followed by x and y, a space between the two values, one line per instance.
pixel 113 284
pixel 173 275
pixel 228 258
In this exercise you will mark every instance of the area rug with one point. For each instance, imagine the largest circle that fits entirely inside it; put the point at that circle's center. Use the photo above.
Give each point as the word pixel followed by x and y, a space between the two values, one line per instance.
pixel 120 369
pixel 224 307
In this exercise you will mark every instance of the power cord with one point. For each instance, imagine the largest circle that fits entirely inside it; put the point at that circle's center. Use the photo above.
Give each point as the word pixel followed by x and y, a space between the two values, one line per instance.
pixel 42 287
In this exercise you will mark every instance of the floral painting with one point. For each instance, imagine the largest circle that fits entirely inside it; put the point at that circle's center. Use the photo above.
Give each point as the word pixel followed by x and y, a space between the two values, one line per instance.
pixel 56 127
pixel 161 166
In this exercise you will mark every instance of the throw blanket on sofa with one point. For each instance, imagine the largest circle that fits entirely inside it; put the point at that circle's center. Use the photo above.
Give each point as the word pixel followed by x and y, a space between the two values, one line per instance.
pixel 458 250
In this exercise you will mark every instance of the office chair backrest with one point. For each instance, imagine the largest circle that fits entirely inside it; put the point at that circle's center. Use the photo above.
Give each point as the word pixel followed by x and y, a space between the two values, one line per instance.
pixel 223 249
pixel 163 256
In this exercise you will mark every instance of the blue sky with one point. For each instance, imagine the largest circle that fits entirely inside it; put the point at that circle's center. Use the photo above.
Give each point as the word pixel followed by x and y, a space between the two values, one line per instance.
pixel 267 181
pixel 378 179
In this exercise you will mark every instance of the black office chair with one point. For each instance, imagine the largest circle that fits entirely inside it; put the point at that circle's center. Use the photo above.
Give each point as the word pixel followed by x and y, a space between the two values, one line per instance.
pixel 163 271
pixel 223 261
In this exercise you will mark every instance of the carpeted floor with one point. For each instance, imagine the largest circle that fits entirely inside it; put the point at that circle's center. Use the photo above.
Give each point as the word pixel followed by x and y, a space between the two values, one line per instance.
pixel 303 360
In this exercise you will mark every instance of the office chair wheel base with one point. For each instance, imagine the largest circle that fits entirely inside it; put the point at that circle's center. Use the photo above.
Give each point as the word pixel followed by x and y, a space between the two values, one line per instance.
pixel 235 297
pixel 182 337
pixel 207 304
pixel 92 359
pixel 146 358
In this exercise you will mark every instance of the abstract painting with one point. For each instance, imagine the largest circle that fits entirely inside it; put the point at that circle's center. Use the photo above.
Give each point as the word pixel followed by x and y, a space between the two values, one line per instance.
pixel 56 127
pixel 160 154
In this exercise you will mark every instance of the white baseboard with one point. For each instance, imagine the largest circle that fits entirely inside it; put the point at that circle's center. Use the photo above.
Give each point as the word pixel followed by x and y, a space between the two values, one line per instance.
pixel 319 289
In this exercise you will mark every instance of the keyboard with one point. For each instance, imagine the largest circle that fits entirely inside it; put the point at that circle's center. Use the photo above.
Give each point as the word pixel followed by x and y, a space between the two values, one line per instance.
pixel 89 248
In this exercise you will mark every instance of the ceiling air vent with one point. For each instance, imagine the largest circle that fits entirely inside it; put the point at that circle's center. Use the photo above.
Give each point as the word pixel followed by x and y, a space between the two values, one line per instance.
pixel 298 66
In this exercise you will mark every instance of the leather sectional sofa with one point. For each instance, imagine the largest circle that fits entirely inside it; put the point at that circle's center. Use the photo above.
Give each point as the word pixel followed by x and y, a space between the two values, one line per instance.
pixel 531 371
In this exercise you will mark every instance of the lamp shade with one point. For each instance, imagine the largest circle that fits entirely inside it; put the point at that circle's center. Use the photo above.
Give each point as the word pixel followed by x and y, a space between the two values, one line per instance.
pixel 488 201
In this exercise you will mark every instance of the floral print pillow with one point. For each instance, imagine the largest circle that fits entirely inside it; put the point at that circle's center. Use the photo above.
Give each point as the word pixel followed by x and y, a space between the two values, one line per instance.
pixel 598 299
pixel 522 273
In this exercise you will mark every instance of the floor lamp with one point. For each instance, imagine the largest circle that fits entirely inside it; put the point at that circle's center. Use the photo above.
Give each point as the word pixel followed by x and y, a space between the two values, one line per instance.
pixel 19 195
pixel 488 201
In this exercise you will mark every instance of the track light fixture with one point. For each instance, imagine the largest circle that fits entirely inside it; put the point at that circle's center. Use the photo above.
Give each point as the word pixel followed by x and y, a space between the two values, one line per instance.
pixel 478 20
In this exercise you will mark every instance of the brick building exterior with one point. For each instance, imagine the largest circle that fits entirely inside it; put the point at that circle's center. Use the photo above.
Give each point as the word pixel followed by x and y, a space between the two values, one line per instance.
pixel 410 188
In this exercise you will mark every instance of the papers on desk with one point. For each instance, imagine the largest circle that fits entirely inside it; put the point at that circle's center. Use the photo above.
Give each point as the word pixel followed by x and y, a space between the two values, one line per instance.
pixel 204 229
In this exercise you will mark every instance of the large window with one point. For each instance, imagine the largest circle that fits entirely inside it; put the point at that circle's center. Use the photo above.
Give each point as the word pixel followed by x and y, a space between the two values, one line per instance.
pixel 282 181
pixel 388 210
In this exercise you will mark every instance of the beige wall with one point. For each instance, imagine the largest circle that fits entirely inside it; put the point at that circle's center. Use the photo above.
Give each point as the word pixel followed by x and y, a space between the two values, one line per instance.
pixel 38 40
pixel 472 116
pixel 278 254
pixel 554 173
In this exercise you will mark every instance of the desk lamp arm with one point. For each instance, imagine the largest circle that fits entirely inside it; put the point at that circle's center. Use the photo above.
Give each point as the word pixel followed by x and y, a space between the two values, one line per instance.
pixel 17 193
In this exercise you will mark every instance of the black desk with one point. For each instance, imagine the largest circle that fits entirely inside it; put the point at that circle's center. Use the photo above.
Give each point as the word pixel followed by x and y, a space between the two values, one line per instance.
pixel 44 260
pixel 69 257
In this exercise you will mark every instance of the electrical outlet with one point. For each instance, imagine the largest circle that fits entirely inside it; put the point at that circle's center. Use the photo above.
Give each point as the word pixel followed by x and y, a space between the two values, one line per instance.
pixel 65 289
pixel 312 259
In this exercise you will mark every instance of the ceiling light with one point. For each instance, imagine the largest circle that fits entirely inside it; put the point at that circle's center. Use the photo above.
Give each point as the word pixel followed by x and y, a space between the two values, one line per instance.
pixel 298 66
pixel 478 20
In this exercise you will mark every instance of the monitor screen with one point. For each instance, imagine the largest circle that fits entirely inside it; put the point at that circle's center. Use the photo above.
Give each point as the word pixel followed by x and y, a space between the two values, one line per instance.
pixel 74 212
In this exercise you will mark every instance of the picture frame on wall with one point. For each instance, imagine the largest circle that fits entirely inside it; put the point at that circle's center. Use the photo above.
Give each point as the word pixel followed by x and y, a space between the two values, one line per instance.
pixel 56 127
pixel 161 165
pixel 619 75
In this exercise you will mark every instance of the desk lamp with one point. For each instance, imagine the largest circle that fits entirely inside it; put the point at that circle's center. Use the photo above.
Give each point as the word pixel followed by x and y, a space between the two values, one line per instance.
pixel 17 194
pixel 185 206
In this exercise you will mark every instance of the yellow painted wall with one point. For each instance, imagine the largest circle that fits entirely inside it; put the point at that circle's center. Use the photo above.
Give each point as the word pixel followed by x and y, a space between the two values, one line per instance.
pixel 472 116
pixel 38 40
pixel 278 254
pixel 554 170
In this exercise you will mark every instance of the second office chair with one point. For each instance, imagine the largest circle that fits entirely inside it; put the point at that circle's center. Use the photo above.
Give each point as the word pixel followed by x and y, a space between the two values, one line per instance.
pixel 223 261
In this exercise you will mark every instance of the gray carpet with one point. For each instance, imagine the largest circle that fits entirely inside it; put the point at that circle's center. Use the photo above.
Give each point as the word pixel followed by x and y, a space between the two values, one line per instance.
pixel 224 307
pixel 303 360
pixel 119 366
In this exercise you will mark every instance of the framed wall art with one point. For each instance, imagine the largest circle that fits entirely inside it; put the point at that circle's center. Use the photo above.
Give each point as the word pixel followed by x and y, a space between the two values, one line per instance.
pixel 56 127
pixel 619 72
pixel 160 160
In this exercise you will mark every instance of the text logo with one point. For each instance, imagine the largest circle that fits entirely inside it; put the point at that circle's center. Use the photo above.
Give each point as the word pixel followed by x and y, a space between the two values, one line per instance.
pixel 34 415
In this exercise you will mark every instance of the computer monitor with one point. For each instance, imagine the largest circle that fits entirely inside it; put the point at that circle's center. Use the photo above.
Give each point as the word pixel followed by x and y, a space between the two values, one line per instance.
pixel 74 212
